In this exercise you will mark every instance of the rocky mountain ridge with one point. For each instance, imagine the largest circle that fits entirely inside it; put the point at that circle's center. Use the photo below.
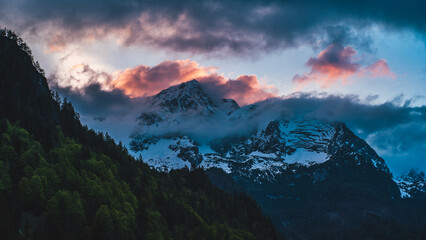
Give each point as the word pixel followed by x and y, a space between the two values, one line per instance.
pixel 282 142
pixel 296 167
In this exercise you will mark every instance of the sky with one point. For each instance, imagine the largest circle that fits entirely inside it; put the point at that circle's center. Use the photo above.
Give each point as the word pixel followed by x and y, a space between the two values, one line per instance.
pixel 361 62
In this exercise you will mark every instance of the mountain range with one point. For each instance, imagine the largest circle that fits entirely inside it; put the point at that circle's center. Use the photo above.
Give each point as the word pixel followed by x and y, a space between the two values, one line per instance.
pixel 315 178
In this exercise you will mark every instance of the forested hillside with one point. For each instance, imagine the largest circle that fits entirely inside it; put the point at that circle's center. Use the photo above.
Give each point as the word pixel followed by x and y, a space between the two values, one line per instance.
pixel 61 180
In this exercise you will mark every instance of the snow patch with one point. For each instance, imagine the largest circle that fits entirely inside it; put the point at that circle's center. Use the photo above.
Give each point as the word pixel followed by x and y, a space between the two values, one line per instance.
pixel 305 157
pixel 261 154
pixel 161 157
pixel 404 194
pixel 211 163
pixel 265 164
pixel 205 149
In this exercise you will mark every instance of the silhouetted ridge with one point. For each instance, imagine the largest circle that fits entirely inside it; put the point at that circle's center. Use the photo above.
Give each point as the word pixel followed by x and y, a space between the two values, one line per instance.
pixel 25 95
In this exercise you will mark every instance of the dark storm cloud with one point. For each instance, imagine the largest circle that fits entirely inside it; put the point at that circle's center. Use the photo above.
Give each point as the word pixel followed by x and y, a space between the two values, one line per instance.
pixel 358 114
pixel 206 26
pixel 345 35
pixel 93 101
pixel 402 138
pixel 403 146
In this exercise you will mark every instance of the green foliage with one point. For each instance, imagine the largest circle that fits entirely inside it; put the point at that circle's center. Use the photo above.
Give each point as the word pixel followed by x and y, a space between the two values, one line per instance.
pixel 4 176
pixel 79 193
pixel 103 224
pixel 7 154
pixel 65 215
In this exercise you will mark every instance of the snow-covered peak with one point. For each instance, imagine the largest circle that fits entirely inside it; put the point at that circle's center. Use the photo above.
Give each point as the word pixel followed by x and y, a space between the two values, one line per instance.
pixel 177 109
pixel 185 97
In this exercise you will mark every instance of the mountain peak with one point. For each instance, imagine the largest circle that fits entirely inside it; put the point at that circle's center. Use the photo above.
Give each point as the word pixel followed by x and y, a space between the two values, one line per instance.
pixel 187 96
pixel 192 82
pixel 177 103
pixel 189 86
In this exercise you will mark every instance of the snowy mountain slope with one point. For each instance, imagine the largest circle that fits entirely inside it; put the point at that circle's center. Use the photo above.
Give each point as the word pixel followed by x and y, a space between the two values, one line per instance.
pixel 168 154
pixel 293 166
pixel 282 143
pixel 185 97
pixel 181 108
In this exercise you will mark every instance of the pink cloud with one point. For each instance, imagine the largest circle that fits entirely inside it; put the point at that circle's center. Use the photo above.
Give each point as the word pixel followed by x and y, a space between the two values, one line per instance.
pixel 245 89
pixel 379 69
pixel 146 81
pixel 338 63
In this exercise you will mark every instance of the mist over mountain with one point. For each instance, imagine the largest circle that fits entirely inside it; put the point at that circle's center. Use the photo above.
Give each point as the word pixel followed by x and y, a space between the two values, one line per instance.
pixel 372 122
pixel 306 170
pixel 396 127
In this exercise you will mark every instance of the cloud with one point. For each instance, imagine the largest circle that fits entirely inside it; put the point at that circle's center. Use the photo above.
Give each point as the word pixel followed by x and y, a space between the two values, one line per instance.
pixel 379 69
pixel 399 139
pixel 363 118
pixel 338 62
pixel 80 76
pixel 144 81
pixel 90 92
pixel 100 95
pixel 205 26
pixel 403 146
pixel 245 89
pixel 332 64
pixel 92 100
